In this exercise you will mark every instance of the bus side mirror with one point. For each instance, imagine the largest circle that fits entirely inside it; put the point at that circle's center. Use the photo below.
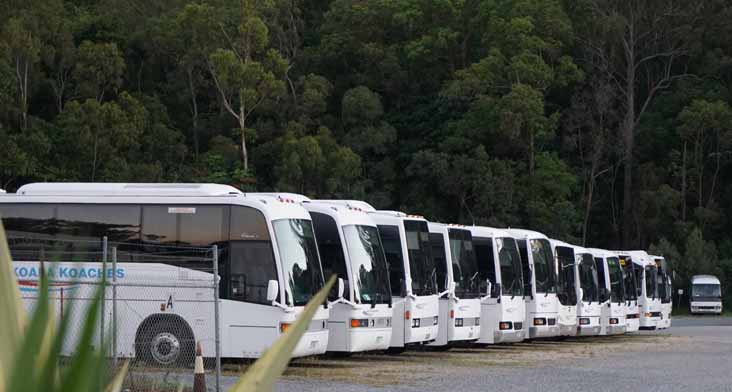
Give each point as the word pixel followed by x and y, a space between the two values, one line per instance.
pixel 273 288
pixel 341 287
pixel 489 288
pixel 581 293
pixel 453 285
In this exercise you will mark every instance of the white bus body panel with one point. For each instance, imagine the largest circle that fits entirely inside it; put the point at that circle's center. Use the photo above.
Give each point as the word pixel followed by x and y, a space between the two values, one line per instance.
pixel 649 307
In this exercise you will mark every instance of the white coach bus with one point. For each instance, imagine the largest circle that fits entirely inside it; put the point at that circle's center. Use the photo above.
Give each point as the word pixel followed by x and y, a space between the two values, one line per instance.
pixel 612 293
pixel 649 302
pixel 665 291
pixel 349 245
pixel 458 283
pixel 631 289
pixel 588 292
pixel 412 274
pixel 540 283
pixel 566 283
pixel 268 262
pixel 499 264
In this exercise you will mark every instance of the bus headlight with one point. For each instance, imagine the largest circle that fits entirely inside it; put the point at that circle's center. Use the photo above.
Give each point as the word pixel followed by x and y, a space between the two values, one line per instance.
pixel 613 321
pixel 584 321
pixel 435 321
pixel 284 327
pixel 458 322
pixel 359 323
pixel 477 321
pixel 415 323
pixel 504 325
pixel 539 321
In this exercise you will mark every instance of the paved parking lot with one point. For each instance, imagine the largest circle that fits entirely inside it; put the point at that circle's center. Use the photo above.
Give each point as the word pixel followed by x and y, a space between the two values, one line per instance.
pixel 694 355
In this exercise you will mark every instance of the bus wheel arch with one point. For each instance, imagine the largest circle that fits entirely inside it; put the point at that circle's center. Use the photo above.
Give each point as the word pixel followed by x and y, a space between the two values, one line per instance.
pixel 165 340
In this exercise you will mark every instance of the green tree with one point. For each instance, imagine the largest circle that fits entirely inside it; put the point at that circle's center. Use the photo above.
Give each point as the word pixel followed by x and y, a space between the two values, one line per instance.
pixel 247 73
pixel 20 46
pixel 99 69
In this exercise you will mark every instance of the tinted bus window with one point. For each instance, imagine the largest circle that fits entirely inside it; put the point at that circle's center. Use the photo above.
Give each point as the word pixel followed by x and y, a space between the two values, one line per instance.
pixel 28 219
pixel 438 252
pixel 250 264
pixel 393 251
pixel 201 225
pixel 486 260
pixel 523 252
pixel 120 223
pixel 158 225
pixel 331 250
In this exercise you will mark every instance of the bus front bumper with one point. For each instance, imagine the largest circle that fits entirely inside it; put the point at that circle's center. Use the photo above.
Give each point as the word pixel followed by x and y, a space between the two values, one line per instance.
pixel 616 329
pixel 311 343
pixel 509 336
pixel 545 331
pixel 368 339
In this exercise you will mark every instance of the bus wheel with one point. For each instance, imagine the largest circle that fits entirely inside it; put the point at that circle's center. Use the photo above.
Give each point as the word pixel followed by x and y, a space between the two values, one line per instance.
pixel 168 343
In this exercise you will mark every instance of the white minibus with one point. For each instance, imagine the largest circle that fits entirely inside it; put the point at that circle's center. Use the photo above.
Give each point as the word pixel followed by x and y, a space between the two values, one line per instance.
pixel 268 262
pixel 458 284
pixel 499 264
pixel 540 283
pixel 706 295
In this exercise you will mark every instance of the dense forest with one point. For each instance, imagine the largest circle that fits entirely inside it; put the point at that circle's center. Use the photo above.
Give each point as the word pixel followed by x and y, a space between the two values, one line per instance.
pixel 600 122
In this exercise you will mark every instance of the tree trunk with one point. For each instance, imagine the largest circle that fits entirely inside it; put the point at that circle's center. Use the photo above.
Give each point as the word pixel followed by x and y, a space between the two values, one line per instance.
pixel 531 153
pixel 683 184
pixel 629 136
pixel 194 111
pixel 243 129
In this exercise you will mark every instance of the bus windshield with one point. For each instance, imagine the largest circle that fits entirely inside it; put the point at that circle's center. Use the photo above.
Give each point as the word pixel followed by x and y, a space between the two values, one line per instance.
pixel 616 280
pixel 299 258
pixel 706 290
pixel 421 263
pixel 368 264
pixel 588 277
pixel 510 263
pixel 544 273
pixel 465 265
pixel 651 279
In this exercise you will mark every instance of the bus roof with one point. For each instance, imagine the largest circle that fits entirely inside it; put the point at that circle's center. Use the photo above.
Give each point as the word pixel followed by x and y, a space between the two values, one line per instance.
pixel 484 231
pixel 344 215
pixel 523 233
pixel 125 189
pixel 641 257
pixel 704 279
pixel 604 253
pixel 165 194
pixel 353 203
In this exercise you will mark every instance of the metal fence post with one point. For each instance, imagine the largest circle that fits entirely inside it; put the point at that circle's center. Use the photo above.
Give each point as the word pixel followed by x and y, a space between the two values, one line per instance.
pixel 114 307
pixel 217 333
pixel 104 291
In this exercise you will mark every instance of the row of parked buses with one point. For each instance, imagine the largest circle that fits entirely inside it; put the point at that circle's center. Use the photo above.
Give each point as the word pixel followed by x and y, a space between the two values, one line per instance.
pixel 402 280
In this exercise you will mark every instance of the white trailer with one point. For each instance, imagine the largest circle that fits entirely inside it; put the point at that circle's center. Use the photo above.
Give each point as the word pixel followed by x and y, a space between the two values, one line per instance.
pixel 566 287
pixel 268 262
pixel 540 283
pixel 612 292
pixel 458 284
pixel 502 308
pixel 706 295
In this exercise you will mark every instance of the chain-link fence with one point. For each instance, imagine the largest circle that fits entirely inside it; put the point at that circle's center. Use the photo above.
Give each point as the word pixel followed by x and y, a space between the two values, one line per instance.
pixel 159 302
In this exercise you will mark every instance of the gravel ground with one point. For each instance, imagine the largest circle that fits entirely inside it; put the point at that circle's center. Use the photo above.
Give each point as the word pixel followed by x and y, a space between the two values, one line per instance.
pixel 694 355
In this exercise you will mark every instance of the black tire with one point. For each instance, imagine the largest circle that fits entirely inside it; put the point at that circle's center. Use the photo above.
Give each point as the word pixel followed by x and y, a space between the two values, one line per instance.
pixel 167 343
pixel 395 350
